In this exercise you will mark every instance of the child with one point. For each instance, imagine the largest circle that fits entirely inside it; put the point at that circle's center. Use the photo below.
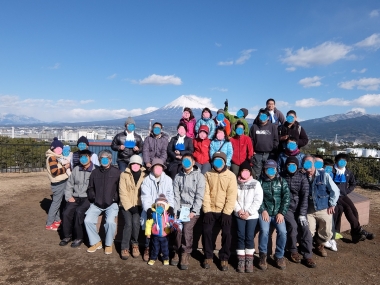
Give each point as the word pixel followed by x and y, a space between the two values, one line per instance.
pixel 206 119
pixel 222 143
pixel 202 149
pixel 158 225
pixel 66 157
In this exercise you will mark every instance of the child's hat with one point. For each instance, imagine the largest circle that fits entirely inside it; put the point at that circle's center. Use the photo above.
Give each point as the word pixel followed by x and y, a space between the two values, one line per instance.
pixel 162 200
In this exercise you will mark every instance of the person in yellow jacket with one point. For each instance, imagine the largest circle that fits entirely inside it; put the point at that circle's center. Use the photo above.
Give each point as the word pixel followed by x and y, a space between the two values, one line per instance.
pixel 218 203
pixel 130 199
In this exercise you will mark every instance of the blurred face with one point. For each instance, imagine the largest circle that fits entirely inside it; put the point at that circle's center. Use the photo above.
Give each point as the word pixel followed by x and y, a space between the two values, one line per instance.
pixel 84 159
pixel 245 174
pixel 202 135
pixel 105 161
pixel 186 115
pixel 181 131
pixel 271 172
pixel 218 164
pixel 270 106
pixel 220 135
pixel 318 163
pixel 308 165
pixel 135 167
pixel 187 163
pixel 291 118
pixel 157 170
pixel 58 150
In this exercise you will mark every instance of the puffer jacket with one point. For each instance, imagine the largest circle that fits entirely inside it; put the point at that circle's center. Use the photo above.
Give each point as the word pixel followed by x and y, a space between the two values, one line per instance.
pixel 276 195
pixel 281 161
pixel 299 191
pixel 223 146
pixel 77 183
pixel 242 149
pixel 202 150
pixel 220 192
pixel 56 171
pixel 189 190
pixel 190 125
pixel 189 147
pixel 130 193
pixel 233 120
pixel 159 225
pixel 126 153
pixel 249 198
pixel 155 147
pixel 210 124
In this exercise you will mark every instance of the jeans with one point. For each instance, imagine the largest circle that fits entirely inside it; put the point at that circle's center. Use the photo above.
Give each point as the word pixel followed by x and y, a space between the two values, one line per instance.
pixel 258 162
pixel 184 239
pixel 204 167
pixel 91 220
pixel 264 236
pixel 245 233
pixel 54 213
pixel 74 211
pixel 122 165
pixel 158 243
pixel 131 228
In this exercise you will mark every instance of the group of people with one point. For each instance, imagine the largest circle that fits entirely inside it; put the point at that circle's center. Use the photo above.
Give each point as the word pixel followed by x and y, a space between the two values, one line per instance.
pixel 218 170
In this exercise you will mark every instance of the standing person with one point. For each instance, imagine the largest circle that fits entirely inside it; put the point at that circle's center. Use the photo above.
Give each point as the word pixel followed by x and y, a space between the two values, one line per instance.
pixel 155 145
pixel 221 121
pixel 272 211
pixel 292 128
pixel 276 116
pixel 296 216
pixel 103 193
pixel 264 137
pixel 240 116
pixel 291 150
pixel 156 183
pixel 188 120
pixel 127 144
pixel 130 200
pixel 83 144
pixel 206 119
pixel 222 143
pixel 177 146
pixel 242 148
pixel 202 150
pixel 77 201
pixel 323 196
pixel 58 178
pixel 218 203
pixel 189 188
pixel 249 199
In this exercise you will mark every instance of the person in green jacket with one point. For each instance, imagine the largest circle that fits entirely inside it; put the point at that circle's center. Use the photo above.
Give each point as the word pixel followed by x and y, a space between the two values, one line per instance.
pixel 272 211
pixel 240 116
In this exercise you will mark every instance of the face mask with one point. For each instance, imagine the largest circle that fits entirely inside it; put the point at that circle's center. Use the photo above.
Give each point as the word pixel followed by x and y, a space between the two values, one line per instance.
pixel 307 164
pixel 342 163
pixel 202 135
pixel 220 136
pixel 181 131
pixel 186 163
pixel 160 210
pixel 82 146
pixel 58 150
pixel 130 127
pixel 156 131
pixel 66 151
pixel 135 167
pixel 318 164
pixel 218 163
pixel 158 170
pixel 290 119
pixel 271 171
pixel 220 117
pixel 328 169
pixel 83 160
pixel 245 174
pixel 291 167
pixel 240 114
pixel 104 161
pixel 291 146
pixel 206 116
pixel 263 117
pixel 239 131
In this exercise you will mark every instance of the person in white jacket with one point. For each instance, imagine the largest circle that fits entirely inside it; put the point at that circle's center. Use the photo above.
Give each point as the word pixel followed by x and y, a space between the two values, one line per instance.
pixel 249 199
pixel 156 183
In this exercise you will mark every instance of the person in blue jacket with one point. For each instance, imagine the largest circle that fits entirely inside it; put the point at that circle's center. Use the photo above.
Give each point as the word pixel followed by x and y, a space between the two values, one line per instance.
pixel 221 143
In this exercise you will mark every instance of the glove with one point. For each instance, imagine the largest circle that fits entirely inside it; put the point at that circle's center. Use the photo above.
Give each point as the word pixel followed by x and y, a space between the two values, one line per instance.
pixel 226 103
pixel 225 220
pixel 134 210
pixel 303 221
pixel 208 218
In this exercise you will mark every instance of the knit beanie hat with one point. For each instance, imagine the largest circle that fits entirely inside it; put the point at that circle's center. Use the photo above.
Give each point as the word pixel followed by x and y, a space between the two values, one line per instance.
pixel 56 143
pixel 83 139
pixel 135 159
pixel 292 159
pixel 245 112
pixel 220 111
pixel 245 165
pixel 130 121
pixel 162 200
pixel 204 128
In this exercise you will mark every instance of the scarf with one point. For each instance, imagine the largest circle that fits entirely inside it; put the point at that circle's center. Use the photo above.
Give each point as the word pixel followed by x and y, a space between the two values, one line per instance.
pixel 292 153
pixel 340 176
pixel 273 120
pixel 243 181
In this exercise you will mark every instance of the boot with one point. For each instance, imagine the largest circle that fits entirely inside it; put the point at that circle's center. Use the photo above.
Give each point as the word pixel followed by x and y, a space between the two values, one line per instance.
pixel 367 235
pixel 320 249
pixel 135 250
pixel 175 259
pixel 263 261
pixel 146 254
pixel 184 261
pixel 241 261
pixel 249 260
pixel 357 235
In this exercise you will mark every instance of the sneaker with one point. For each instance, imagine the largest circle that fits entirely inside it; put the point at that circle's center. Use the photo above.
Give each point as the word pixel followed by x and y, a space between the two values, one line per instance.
pixel 356 237
pixel 52 227
pixel 367 235
pixel 184 261
pixel 76 243
pixel 207 263
pixel 263 261
pixel 95 247
pixel 224 265
pixel 57 223
pixel 338 236
pixel 108 250
pixel 151 262
pixel 281 263
pixel 65 241
pixel 124 254
pixel 146 255
pixel 333 245
pixel 135 250
pixel 166 262
pixel 295 257
pixel 320 249
pixel 327 244
pixel 174 260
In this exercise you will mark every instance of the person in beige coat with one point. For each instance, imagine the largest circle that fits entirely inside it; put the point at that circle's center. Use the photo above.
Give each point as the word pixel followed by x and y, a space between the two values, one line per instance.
pixel 130 199
pixel 218 203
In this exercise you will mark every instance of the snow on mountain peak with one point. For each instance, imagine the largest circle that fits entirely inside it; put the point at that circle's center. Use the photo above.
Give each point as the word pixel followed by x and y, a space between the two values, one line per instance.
pixel 191 101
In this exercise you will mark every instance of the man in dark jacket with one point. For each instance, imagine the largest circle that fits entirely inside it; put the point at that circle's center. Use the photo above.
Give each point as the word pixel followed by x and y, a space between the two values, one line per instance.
pixel 295 218
pixel 127 144
pixel 292 128
pixel 83 144
pixel 103 193
pixel 155 146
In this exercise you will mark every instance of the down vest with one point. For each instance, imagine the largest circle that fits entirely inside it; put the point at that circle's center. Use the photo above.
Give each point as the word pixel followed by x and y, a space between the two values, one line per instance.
pixel 276 196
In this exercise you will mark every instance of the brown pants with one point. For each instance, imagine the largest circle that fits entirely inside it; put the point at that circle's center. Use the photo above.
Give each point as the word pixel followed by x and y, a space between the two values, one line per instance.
pixel 184 239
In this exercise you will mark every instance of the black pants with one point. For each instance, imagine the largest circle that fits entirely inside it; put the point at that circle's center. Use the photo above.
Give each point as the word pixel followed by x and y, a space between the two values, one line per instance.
pixel 348 208
pixel 131 228
pixel 74 211
pixel 208 247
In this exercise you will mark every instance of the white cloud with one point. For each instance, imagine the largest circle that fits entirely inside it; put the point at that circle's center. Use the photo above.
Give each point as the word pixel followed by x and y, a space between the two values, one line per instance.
pixel 310 81
pixel 113 76
pixel 282 104
pixel 291 69
pixel 225 63
pixel 55 66
pixel 362 83
pixel 245 55
pixel 155 79
pixel 219 89
pixel 374 13
pixel 372 42
pixel 324 54
pixel 368 100
pixel 359 71
pixel 359 110
pixel 86 101
pixel 218 44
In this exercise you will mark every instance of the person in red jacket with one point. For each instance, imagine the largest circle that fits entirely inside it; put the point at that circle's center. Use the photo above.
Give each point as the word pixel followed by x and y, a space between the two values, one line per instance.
pixel 242 146
pixel 202 149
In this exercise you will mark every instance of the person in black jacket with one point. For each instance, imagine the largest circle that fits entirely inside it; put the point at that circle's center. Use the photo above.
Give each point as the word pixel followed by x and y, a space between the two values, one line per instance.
pixel 103 193
pixel 345 180
pixel 177 146
pixel 127 144
pixel 295 218
pixel 292 128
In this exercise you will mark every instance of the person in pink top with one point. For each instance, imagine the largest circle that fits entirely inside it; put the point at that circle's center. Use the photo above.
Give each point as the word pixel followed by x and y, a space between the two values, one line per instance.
pixel 189 120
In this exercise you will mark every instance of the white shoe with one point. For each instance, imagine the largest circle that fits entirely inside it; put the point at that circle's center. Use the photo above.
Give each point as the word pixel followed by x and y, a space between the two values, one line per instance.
pixel 328 244
pixel 333 245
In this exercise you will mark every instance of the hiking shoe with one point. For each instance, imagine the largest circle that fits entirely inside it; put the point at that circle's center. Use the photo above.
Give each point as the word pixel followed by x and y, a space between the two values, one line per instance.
pixel 174 260
pixel 367 235
pixel 135 250
pixel 95 247
pixel 320 249
pixel 151 262
pixel 184 261
pixel 281 263
pixel 65 241
pixel 309 262
pixel 224 265
pixel 108 250
pixel 207 263
pixel 76 243
pixel 124 254
pixel 263 261
pixel 146 255
pixel 333 244
pixel 52 227
pixel 295 257
pixel 356 237
pixel 166 262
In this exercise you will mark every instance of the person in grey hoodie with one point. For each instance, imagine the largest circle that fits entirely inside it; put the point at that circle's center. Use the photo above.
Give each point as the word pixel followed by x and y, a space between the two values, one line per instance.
pixel 189 189
pixel 155 145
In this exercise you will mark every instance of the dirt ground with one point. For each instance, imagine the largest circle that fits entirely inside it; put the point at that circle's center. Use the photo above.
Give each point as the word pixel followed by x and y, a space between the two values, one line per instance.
pixel 30 255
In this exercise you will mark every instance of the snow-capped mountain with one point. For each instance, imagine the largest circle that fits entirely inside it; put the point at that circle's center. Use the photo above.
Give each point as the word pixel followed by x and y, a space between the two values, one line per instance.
pixel 339 117
pixel 12 119
pixel 190 101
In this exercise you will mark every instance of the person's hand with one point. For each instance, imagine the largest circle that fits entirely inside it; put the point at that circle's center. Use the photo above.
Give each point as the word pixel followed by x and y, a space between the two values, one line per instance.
pixel 177 152
pixel 192 215
pixel 136 148
pixel 303 221
pixel 208 218
pixel 225 220
pixel 148 236
pixel 67 165
pixel 148 165
pixel 265 216
pixel 122 147
pixel 226 103
pixel 245 216
pixel 279 218
pixel 71 199
pixel 283 138
pixel 240 213
pixel 331 210
pixel 178 156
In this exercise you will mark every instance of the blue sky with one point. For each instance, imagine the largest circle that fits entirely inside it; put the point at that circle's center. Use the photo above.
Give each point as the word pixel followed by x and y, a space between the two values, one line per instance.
pixel 89 60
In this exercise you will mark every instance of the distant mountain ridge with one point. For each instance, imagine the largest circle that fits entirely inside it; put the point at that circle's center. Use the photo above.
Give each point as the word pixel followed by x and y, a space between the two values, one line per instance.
pixel 12 119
